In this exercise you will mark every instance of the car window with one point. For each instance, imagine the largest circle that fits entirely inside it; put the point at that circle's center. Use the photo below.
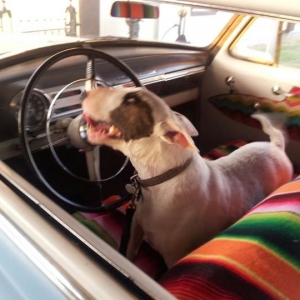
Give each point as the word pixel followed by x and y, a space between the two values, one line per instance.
pixel 258 41
pixel 269 41
pixel 34 23
pixel 289 54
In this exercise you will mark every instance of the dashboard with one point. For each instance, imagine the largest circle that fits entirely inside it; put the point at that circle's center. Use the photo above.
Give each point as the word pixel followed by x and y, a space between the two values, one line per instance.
pixel 173 74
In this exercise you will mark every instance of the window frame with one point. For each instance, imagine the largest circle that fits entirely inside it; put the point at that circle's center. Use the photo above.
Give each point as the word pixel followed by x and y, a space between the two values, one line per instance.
pixel 275 60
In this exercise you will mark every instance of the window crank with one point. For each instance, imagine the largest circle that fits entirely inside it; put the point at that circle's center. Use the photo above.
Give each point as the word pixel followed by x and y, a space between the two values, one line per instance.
pixel 230 81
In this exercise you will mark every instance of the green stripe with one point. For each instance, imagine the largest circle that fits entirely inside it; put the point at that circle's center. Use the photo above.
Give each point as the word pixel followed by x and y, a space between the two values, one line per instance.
pixel 277 231
pixel 266 218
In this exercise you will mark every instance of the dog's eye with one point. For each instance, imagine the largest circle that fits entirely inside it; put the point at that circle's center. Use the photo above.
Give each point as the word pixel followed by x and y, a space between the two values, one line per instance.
pixel 131 98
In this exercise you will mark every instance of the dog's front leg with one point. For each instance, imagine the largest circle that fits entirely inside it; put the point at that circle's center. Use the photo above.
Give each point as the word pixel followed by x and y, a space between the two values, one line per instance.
pixel 135 239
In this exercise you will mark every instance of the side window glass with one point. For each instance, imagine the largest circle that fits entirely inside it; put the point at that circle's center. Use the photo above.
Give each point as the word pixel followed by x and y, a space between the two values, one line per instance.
pixel 258 42
pixel 289 54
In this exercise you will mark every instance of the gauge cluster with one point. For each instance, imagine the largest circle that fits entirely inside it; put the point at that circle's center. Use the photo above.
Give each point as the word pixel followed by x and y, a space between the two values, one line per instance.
pixel 68 104
pixel 36 111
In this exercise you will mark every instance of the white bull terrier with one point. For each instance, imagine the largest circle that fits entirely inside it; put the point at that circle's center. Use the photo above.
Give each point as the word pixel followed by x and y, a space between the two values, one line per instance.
pixel 191 199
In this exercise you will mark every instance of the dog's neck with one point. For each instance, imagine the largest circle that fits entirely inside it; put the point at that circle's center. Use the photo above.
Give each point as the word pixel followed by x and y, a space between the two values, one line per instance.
pixel 153 158
pixel 171 173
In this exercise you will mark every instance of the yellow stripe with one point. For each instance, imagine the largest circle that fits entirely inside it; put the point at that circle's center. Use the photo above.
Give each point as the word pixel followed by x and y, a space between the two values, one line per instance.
pixel 267 249
pixel 249 273
pixel 243 264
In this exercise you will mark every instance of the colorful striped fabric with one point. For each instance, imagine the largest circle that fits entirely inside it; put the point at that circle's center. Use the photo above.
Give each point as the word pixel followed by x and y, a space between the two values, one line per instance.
pixel 256 258
pixel 134 10
pixel 240 107
pixel 224 149
pixel 109 228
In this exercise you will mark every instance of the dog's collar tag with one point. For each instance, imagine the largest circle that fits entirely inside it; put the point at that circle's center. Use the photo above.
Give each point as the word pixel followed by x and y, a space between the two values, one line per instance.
pixel 134 188
pixel 130 188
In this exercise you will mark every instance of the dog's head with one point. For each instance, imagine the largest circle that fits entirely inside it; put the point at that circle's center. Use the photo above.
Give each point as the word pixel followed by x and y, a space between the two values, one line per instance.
pixel 131 114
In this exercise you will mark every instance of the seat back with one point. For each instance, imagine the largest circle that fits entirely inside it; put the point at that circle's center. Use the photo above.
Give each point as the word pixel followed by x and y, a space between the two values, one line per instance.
pixel 256 258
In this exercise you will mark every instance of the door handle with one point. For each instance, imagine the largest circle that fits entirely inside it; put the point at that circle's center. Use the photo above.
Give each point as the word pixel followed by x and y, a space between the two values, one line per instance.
pixel 276 90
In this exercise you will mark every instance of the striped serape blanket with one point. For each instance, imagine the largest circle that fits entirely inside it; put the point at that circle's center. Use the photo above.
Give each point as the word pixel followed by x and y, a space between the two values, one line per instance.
pixel 256 258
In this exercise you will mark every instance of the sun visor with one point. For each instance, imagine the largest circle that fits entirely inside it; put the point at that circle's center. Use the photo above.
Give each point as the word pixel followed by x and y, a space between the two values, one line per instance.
pixel 285 9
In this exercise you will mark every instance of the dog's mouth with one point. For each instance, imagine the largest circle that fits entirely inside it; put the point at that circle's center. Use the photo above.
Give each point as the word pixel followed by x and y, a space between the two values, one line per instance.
pixel 102 129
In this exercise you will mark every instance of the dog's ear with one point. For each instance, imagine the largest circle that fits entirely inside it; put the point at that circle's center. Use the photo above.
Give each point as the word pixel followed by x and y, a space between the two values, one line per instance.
pixel 186 124
pixel 172 133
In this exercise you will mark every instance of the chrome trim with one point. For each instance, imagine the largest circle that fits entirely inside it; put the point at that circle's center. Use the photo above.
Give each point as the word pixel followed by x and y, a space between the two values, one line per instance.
pixel 173 75
pixel 145 81
pixel 55 143
pixel 165 77
pixel 66 114
pixel 15 104
pixel 39 258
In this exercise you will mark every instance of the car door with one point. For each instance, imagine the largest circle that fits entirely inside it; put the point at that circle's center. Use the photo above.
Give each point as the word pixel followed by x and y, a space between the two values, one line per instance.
pixel 256 69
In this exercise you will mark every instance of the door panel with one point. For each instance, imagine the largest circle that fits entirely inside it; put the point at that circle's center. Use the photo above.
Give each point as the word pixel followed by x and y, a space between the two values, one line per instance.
pixel 250 79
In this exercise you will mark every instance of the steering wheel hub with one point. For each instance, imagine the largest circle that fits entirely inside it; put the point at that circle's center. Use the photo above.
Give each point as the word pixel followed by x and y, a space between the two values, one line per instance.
pixel 77 133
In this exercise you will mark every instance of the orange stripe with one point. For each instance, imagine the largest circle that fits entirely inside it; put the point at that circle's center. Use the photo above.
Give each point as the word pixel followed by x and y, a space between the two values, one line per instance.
pixel 290 187
pixel 123 9
pixel 273 274
pixel 137 11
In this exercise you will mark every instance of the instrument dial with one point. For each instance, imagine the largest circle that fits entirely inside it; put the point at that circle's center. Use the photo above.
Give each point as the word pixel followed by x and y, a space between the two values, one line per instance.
pixel 35 111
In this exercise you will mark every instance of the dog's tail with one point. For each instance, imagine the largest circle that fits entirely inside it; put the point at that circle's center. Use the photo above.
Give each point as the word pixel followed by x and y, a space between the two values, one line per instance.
pixel 277 136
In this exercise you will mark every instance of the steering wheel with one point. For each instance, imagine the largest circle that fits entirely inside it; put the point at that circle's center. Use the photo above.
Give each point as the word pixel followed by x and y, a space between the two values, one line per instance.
pixel 76 128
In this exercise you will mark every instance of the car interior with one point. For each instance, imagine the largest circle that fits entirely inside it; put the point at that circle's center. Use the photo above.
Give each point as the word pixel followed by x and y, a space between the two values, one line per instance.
pixel 217 87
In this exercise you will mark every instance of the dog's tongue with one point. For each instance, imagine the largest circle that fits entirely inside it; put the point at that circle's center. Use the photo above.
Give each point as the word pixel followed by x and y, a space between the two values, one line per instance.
pixel 95 124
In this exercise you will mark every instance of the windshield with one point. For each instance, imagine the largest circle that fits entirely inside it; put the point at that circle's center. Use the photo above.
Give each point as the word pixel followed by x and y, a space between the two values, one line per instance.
pixel 26 24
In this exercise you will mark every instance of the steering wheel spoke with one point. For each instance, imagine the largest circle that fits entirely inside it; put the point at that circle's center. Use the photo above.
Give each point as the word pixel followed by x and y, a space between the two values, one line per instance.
pixel 90 73
pixel 93 163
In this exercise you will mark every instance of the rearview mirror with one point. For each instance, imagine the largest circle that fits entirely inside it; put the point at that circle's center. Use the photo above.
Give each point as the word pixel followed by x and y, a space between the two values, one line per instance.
pixel 134 10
